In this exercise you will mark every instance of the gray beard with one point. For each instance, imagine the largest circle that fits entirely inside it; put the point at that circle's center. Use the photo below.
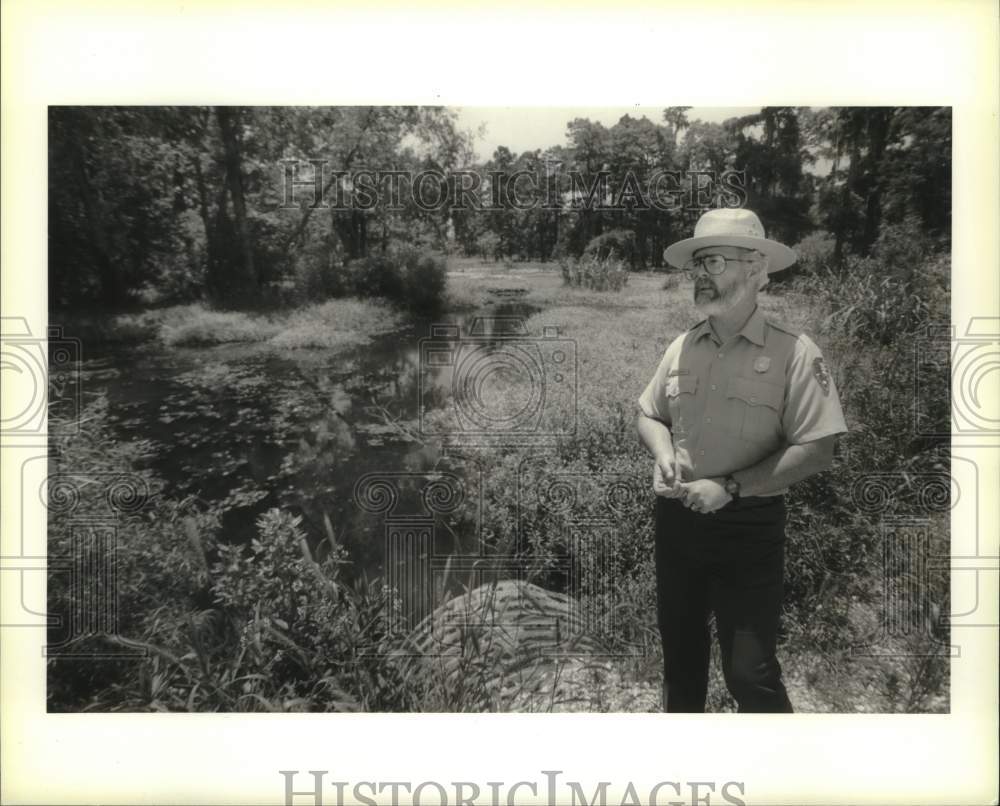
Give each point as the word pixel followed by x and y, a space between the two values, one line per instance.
pixel 723 304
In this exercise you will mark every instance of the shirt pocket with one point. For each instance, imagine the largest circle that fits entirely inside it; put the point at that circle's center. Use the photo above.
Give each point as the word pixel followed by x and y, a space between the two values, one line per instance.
pixel 755 408
pixel 681 391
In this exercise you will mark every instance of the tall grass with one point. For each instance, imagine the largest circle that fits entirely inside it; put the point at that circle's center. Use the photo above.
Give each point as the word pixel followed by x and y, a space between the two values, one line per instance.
pixel 335 323
pixel 609 273
pixel 868 316
pixel 268 626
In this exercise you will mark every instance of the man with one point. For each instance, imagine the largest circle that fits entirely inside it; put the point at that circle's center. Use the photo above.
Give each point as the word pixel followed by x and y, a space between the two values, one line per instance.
pixel 738 409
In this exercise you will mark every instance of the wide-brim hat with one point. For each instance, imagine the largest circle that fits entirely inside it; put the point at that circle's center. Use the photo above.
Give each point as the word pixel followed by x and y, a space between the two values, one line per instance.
pixel 730 227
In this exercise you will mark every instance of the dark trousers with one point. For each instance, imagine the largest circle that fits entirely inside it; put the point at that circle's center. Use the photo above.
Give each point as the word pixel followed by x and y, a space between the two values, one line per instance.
pixel 730 563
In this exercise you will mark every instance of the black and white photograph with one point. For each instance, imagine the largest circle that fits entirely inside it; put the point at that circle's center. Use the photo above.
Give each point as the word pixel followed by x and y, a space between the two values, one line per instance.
pixel 521 405
pixel 487 409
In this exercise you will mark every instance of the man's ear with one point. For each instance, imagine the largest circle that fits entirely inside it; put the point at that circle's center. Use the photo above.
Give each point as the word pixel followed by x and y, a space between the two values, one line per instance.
pixel 760 268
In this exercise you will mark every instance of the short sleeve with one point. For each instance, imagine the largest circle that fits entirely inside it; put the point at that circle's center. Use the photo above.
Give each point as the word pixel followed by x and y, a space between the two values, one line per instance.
pixel 654 390
pixel 812 406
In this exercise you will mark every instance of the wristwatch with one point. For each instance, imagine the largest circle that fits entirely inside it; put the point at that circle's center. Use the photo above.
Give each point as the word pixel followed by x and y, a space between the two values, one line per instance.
pixel 732 487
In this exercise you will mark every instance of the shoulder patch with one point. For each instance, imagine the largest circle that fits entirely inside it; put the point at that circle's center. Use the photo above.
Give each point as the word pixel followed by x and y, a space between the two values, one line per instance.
pixel 822 374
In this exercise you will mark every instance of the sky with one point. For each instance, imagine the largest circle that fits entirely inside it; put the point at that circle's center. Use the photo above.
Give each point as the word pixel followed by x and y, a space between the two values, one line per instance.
pixel 528 128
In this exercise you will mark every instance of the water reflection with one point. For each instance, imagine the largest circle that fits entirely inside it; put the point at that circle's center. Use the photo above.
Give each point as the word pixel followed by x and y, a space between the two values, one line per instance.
pixel 249 429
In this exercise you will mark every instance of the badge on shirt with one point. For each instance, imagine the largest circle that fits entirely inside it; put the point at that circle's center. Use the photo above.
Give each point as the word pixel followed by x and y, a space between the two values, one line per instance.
pixel 675 372
pixel 822 375
pixel 762 364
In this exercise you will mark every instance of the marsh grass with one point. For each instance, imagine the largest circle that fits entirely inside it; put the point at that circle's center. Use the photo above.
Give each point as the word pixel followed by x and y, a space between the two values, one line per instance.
pixel 867 319
pixel 336 323
pixel 267 627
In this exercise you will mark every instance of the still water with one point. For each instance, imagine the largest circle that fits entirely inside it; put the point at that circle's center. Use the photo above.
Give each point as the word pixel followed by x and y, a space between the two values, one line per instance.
pixel 247 429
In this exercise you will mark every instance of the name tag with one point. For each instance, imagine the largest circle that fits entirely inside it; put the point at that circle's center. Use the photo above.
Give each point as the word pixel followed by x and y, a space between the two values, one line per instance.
pixel 675 372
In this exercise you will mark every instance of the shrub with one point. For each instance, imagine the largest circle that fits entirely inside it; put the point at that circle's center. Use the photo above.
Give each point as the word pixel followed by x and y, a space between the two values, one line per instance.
pixel 196 325
pixel 671 281
pixel 405 275
pixel 424 281
pixel 258 627
pixel 377 275
pixel 620 242
pixel 815 251
pixel 319 271
pixel 873 313
pixel 335 323
pixel 488 245
pixel 607 274
pixel 876 302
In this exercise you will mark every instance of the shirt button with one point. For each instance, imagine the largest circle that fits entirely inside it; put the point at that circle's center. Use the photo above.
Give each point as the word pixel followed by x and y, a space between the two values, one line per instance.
pixel 708 419
pixel 701 453
pixel 714 387
pixel 722 355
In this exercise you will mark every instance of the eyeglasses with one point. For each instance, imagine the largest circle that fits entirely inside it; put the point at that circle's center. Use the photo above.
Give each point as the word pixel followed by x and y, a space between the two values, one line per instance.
pixel 713 264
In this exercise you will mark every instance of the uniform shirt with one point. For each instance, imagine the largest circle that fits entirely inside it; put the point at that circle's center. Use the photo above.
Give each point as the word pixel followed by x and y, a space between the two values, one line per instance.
pixel 728 406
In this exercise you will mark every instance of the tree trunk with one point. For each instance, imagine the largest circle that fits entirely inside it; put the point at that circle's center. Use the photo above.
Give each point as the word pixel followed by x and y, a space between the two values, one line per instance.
pixel 878 130
pixel 348 160
pixel 243 275
pixel 211 248
pixel 111 287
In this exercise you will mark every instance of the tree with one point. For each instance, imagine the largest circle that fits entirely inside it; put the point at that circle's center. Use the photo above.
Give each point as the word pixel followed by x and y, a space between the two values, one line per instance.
pixel 887 163
pixel 770 150
pixel 233 278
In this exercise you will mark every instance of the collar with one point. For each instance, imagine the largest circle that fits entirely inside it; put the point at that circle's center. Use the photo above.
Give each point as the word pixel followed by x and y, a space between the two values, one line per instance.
pixel 752 331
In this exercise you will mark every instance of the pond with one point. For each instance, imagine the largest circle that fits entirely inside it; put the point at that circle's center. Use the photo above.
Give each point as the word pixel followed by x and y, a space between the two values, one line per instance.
pixel 321 434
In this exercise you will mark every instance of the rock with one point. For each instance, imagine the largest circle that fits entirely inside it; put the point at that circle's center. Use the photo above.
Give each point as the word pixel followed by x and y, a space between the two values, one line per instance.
pixel 514 644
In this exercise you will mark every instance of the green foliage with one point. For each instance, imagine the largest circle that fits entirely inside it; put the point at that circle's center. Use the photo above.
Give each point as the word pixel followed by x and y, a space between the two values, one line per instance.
pixel 331 324
pixel 318 271
pixel 335 323
pixel 143 208
pixel 815 252
pixel 597 274
pixel 895 293
pixel 617 242
pixel 195 325
pixel 671 282
pixel 488 245
pixel 178 203
pixel 159 570
pixel 874 315
pixel 181 203
pixel 402 274
pixel 887 164
pixel 834 563
pixel 264 627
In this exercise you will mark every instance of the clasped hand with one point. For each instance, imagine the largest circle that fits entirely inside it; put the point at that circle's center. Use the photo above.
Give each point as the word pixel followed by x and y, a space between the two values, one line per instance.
pixel 702 495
